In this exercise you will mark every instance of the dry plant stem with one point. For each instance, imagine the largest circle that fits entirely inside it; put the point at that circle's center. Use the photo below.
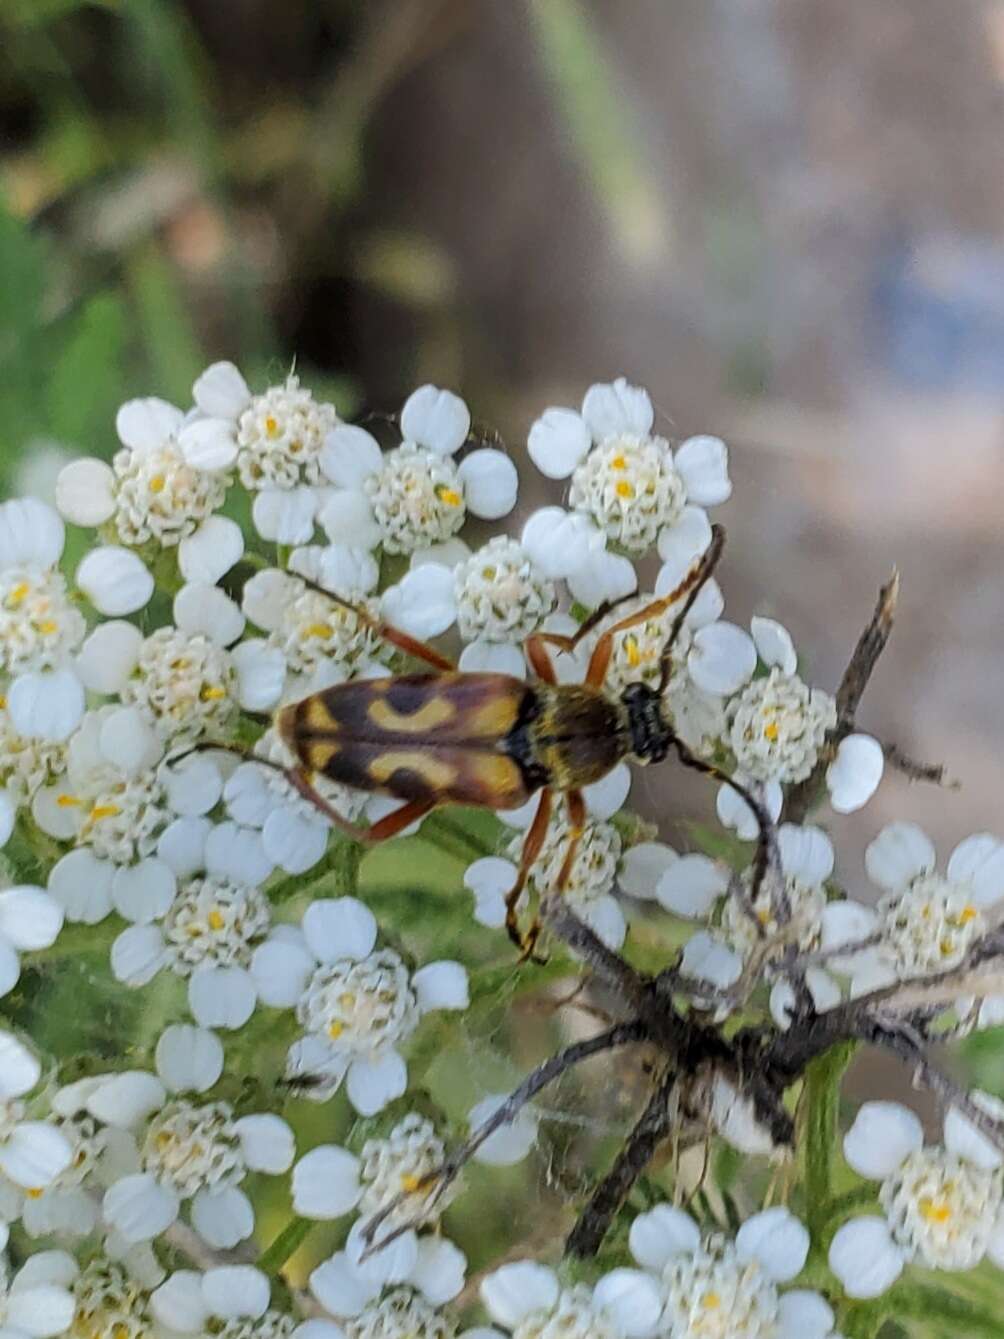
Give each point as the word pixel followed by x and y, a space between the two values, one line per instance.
pixel 855 680
pixel 933 773
pixel 653 1126
pixel 441 1177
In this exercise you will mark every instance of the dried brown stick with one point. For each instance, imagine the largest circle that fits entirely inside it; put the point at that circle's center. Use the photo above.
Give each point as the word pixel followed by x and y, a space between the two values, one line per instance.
pixel 856 676
pixel 653 1125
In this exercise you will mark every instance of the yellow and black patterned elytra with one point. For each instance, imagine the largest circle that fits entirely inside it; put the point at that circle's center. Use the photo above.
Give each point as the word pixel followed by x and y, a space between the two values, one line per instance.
pixel 460 738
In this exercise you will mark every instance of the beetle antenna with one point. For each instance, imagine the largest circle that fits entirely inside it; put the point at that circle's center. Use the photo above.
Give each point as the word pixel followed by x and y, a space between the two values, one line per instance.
pixel 698 580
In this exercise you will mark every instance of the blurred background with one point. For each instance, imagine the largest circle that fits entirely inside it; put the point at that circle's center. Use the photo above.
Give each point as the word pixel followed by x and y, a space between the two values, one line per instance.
pixel 784 217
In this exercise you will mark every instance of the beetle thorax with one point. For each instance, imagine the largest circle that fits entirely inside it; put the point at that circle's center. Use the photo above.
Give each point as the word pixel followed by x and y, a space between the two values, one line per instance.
pixel 651 736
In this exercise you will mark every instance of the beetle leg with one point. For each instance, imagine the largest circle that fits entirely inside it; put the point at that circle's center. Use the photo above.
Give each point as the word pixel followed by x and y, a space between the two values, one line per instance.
pixel 576 806
pixel 536 644
pixel 402 640
pixel 761 860
pixel 691 586
pixel 532 844
pixel 380 831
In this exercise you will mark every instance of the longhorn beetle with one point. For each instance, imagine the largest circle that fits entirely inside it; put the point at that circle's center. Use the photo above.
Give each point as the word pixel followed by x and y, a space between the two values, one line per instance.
pixel 492 740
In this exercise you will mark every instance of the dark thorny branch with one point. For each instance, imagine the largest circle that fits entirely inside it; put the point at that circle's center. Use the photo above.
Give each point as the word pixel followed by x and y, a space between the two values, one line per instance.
pixel 760 1063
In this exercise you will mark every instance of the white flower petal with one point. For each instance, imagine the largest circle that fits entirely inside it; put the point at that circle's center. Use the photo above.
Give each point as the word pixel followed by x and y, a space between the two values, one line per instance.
pixel 774 644
pixel 237 854
pixel 31 534
pixel 882 1136
pixel 703 462
pixel 10 968
pixel 261 674
pixel 964 1139
pixel 267 1142
pixel 189 1059
pixel 642 867
pixel 145 424
pixel 8 817
pixel 371 1084
pixel 661 1234
pixel 208 444
pixel 692 885
pixel 29 917
pixel 280 971
pixel 179 1304
pixel 339 928
pixel 20 1069
pixel 514 1291
pixel 124 1100
pixel 221 392
pixel 347 518
pixel 777 1241
pixel 806 853
pixel 708 959
pixel 222 997
pixel 346 571
pixel 182 846
pixel 223 1217
pixel 193 785
pixel 846 922
pixel 898 854
pixel 115 580
pixel 85 492
pixel 853 776
pixel 327 1329
pixel 441 985
pixel 735 813
pixel 139 1208
pixel 210 551
pixel 558 441
pixel 293 840
pixel 108 656
pixel 39 1312
pixel 439 1271
pixel 632 1299
pixel 560 542
pixel 46 705
pixel 491 483
pixel 325 1183
pixel 603 576
pixel 721 659
pixel 489 879
pixel 338 1287
pixel 865 1258
pixel 144 892
pixel 127 741
pixel 34 1154
pixel 734 1117
pixel 681 543
pixel 349 456
pixel 604 797
pixel 435 419
pixel 232 1291
pixel 803 1314
pixel 610 410
pixel 511 1142
pixel 138 954
pixel 422 603
pixel 285 515
pixel 979 861
pixel 451 553
pixel 493 657
pixel 209 611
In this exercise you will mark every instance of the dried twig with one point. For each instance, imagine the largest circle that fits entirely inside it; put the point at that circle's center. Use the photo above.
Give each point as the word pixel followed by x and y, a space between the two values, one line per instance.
pixel 934 773
pixel 855 680
pixel 653 1125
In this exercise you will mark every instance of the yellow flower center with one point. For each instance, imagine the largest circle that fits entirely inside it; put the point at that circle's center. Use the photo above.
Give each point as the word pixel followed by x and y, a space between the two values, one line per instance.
pixel 934 1210
pixel 335 1030
pixel 410 1183
pixel 215 918
pixel 157 483
pixel 66 801
pixel 322 630
pixel 272 426
pixel 17 595
pixel 448 496
pixel 210 694
pixel 624 489
pixel 619 463
pixel 104 811
pixel 711 1301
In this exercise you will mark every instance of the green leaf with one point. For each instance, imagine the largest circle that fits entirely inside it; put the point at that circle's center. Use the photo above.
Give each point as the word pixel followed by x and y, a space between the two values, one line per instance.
pixel 23 262
pixel 168 333
pixel 822 1098
pixel 86 385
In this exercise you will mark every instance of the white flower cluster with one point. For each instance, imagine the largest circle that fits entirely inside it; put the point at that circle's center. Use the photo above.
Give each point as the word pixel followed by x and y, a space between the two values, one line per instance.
pixel 128 685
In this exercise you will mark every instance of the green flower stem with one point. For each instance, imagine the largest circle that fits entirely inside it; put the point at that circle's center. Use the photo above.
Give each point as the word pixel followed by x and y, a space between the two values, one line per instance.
pixel 274 1258
pixel 864 1320
pixel 822 1098
pixel 452 837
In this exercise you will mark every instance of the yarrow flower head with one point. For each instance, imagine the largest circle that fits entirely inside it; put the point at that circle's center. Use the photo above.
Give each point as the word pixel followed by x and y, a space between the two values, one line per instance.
pixel 715 1287
pixel 942 1205
pixel 35 1302
pixel 416 495
pixel 927 922
pixel 355 1002
pixel 189 1151
pixel 626 479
